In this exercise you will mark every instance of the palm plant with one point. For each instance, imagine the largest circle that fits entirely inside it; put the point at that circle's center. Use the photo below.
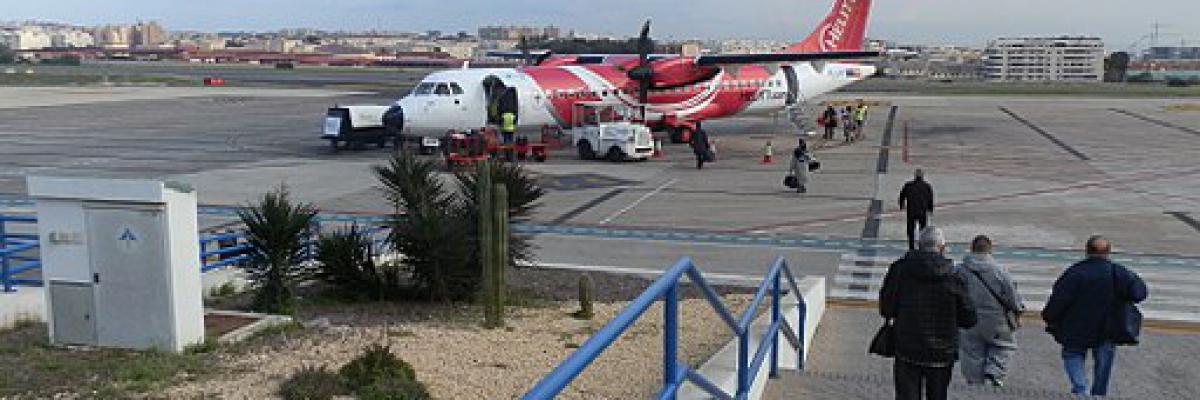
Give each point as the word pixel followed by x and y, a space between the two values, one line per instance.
pixel 428 228
pixel 347 260
pixel 278 230
pixel 523 194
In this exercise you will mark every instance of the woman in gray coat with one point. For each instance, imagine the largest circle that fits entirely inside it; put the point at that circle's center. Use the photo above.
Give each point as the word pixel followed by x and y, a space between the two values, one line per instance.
pixel 799 167
pixel 986 348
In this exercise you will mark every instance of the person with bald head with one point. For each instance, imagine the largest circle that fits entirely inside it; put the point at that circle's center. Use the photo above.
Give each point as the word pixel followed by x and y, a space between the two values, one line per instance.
pixel 1080 311
pixel 928 301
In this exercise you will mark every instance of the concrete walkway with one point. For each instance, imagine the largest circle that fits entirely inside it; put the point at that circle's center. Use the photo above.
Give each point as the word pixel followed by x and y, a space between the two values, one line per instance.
pixel 1163 367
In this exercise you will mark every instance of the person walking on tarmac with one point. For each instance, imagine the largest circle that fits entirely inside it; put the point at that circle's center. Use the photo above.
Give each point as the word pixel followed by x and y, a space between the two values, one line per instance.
pixel 829 121
pixel 917 199
pixel 508 126
pixel 847 115
pixel 700 147
pixel 799 167
pixel 860 119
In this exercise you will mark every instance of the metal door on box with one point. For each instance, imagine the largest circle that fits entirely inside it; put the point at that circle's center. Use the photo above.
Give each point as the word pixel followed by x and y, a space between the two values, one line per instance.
pixel 130 274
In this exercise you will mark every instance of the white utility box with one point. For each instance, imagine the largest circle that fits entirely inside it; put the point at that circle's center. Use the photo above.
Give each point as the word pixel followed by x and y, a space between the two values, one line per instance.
pixel 121 262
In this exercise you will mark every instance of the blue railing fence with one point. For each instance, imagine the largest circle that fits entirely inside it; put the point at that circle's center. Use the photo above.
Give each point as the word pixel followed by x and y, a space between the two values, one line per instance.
pixel 18 251
pixel 218 250
pixel 675 372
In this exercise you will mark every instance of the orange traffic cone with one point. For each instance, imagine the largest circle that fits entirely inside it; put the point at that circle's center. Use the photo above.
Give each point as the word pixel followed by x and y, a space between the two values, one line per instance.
pixel 768 152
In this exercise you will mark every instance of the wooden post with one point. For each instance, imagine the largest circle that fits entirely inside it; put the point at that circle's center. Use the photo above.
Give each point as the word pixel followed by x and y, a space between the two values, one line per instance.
pixel 492 313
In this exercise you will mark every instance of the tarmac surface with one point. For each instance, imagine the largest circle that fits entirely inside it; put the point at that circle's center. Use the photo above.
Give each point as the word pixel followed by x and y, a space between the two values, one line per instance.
pixel 1038 174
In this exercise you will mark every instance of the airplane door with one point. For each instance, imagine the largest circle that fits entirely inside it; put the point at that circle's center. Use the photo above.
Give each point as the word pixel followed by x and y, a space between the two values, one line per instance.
pixel 793 84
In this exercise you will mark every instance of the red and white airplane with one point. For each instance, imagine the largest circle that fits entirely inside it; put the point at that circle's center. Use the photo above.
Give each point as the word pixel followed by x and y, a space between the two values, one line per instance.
pixel 677 92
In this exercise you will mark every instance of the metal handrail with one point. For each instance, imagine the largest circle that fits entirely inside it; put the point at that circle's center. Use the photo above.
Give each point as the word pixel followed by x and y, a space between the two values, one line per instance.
pixel 675 372
pixel 12 245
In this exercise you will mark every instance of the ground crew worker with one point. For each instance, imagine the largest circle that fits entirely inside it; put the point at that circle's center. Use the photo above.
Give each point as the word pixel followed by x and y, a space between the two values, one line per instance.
pixel 701 147
pixel 917 199
pixel 508 126
pixel 860 118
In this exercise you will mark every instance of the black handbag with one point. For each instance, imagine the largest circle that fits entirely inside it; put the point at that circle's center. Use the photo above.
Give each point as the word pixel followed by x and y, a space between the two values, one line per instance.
pixel 791 181
pixel 814 165
pixel 884 343
pixel 1125 319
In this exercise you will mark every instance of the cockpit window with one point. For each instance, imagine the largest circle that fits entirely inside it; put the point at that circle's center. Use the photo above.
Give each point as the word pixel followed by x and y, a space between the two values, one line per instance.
pixel 442 89
pixel 455 89
pixel 424 89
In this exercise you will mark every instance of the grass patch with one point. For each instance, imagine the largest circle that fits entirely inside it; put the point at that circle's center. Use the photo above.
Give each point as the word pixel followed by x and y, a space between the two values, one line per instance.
pixel 31 367
pixel 38 79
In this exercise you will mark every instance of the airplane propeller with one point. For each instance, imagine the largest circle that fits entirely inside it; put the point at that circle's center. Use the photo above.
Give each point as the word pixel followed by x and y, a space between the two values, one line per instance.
pixel 523 45
pixel 643 73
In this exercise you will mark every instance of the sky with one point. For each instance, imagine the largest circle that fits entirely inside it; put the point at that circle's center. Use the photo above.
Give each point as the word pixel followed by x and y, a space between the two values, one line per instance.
pixel 971 22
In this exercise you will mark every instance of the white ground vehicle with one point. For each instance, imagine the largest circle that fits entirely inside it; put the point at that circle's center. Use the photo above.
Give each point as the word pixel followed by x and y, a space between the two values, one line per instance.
pixel 608 130
pixel 353 126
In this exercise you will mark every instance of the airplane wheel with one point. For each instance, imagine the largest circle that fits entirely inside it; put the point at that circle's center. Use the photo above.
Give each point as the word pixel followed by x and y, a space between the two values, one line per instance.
pixel 585 151
pixel 333 144
pixel 615 155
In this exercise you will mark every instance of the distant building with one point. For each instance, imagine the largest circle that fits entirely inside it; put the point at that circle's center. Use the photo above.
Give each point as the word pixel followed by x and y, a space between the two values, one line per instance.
pixel 1163 53
pixel 516 32
pixel 25 38
pixel 751 46
pixel 1060 59
pixel 147 34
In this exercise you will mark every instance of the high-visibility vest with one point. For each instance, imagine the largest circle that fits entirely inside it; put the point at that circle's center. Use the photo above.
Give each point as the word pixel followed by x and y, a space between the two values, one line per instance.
pixel 508 122
pixel 860 113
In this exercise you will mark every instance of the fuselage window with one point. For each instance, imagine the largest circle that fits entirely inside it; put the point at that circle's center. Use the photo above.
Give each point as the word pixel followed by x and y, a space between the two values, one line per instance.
pixel 455 89
pixel 424 89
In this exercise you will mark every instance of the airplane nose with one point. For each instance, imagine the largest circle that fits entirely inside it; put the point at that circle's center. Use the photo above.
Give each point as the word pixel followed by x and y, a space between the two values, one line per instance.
pixel 393 120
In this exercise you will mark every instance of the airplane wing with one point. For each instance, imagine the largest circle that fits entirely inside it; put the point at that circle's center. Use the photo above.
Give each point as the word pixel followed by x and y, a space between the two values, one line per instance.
pixel 762 58
pixel 536 56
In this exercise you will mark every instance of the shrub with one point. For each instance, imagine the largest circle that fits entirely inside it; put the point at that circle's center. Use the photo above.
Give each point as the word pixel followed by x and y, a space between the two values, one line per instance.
pixel 378 374
pixel 277 229
pixel 436 227
pixel 347 259
pixel 523 194
pixel 312 383
pixel 394 390
pixel 428 229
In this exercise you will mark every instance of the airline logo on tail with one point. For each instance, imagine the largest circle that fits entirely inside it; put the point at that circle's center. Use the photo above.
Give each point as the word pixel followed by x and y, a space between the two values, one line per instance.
pixel 843 30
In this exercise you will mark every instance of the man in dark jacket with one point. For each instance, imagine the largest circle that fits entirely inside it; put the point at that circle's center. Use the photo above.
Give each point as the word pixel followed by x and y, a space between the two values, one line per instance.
pixel 700 147
pixel 917 199
pixel 1079 309
pixel 928 301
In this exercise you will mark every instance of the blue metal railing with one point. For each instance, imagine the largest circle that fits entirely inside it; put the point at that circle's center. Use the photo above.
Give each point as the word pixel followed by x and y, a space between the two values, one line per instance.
pixel 675 372
pixel 14 253
pixel 217 251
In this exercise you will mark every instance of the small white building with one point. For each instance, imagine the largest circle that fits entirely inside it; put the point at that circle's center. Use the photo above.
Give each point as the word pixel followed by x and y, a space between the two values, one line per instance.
pixel 1058 59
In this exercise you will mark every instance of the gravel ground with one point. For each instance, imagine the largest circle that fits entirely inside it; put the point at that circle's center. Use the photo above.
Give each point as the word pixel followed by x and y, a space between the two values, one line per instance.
pixel 458 360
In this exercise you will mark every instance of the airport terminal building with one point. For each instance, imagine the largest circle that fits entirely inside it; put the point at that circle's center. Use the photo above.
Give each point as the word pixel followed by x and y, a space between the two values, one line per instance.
pixel 1062 59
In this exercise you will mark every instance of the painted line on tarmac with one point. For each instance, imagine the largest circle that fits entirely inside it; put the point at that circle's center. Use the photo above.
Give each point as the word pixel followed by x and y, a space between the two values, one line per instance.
pixel 888 247
pixel 635 203
pixel 589 205
pixel 1047 135
pixel 1186 219
pixel 1156 121
pixel 641 271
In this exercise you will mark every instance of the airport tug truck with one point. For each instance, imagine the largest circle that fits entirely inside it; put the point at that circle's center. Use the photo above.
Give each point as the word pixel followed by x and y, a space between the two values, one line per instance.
pixel 354 126
pixel 610 130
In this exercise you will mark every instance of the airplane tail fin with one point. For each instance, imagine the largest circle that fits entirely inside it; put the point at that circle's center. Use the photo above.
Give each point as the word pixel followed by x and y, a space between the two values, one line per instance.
pixel 843 30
